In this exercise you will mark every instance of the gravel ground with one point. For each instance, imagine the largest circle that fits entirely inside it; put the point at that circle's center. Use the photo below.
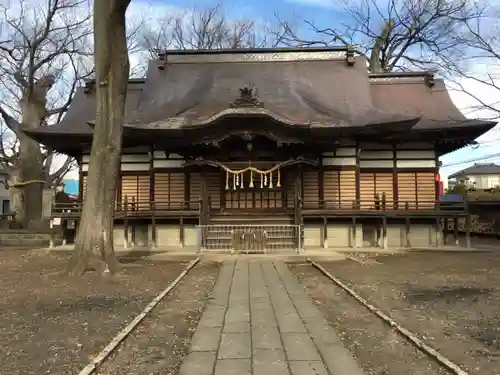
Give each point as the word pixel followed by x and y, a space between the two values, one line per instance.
pixel 52 324
pixel 376 347
pixel 160 342
pixel 451 300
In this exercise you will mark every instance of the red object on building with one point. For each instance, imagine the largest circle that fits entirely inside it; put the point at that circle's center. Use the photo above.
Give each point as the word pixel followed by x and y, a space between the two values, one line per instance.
pixel 439 185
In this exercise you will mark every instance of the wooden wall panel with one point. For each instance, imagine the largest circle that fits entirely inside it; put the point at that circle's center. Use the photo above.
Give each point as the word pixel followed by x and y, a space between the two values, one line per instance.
pixel 136 191
pixel 407 189
pixel 367 190
pixel 195 186
pixel 347 188
pixel 426 190
pixel 213 180
pixel 143 196
pixel 417 187
pixel 384 183
pixel 129 188
pixel 214 188
pixel 310 188
pixel 331 190
pixel 169 189
pixel 290 189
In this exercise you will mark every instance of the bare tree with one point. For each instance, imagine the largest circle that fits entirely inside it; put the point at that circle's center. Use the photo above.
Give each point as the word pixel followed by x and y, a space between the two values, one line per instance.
pixel 44 53
pixel 482 42
pixel 204 29
pixel 94 241
pixel 403 35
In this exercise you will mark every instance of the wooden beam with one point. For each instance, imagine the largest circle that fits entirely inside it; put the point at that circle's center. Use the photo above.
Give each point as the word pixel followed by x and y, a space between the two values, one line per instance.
pixel 324 240
pixel 468 227
pixel 395 187
pixel 187 188
pixel 436 172
pixel 357 175
pixel 80 179
pixel 125 222
pixel 151 176
pixel 353 233
pixel 407 231
pixel 133 234
pixel 439 231
pixel 181 231
pixel 445 231
pixel 384 232
pixel 455 230
pixel 321 183
pixel 154 234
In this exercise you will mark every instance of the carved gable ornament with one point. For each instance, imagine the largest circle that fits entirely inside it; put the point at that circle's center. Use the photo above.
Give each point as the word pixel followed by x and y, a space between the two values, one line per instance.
pixel 247 98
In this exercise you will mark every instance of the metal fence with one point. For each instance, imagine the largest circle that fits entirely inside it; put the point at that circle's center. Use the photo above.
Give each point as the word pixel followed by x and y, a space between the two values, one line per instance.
pixel 250 238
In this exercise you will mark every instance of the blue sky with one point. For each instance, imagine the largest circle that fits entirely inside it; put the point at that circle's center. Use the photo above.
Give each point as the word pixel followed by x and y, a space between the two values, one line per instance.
pixel 319 10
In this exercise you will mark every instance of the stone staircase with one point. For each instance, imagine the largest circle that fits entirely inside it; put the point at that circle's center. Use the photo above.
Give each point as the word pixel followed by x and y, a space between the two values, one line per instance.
pixel 251 233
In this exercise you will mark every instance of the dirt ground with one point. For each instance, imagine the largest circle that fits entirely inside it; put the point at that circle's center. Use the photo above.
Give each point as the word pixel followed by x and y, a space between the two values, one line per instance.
pixel 452 300
pixel 52 324
pixel 162 340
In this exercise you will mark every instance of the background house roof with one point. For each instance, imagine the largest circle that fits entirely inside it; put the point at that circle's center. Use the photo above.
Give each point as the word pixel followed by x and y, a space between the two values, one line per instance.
pixel 478 168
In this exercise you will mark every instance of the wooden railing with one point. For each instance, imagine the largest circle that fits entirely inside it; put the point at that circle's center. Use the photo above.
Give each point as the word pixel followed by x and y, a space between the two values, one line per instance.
pixel 131 208
pixel 388 206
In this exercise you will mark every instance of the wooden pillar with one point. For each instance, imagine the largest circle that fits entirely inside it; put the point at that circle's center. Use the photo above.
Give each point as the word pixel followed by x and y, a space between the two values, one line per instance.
pixel 455 231
pixel 203 221
pixel 384 232
pixel 52 234
pixel 325 233
pixel 445 230
pixel 353 233
pixel 321 187
pixel 152 175
pixel 395 195
pixel 439 228
pixel 357 177
pixel 125 222
pixel 181 231
pixel 154 235
pixel 80 178
pixel 436 173
pixel 298 206
pixel 439 231
pixel 133 222
pixel 187 182
pixel 152 205
pixel 407 231
pixel 468 227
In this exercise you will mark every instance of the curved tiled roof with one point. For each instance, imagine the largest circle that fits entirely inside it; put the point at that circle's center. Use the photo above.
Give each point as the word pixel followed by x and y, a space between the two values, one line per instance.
pixel 313 88
pixel 319 93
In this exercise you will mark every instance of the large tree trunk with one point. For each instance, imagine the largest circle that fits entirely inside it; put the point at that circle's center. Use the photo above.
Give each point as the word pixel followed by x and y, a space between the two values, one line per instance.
pixel 16 193
pixel 29 169
pixel 94 241
pixel 31 184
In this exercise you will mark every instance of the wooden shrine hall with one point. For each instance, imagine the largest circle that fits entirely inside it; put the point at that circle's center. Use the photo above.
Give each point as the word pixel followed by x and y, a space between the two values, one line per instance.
pixel 268 149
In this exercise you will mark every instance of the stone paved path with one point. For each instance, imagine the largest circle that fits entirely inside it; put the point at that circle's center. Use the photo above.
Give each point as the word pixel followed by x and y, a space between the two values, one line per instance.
pixel 260 321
